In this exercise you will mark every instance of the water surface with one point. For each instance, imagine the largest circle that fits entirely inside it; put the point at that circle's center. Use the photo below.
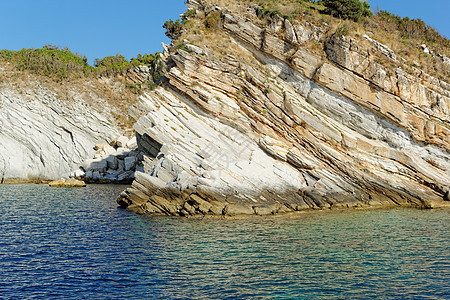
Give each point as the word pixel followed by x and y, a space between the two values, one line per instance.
pixel 59 243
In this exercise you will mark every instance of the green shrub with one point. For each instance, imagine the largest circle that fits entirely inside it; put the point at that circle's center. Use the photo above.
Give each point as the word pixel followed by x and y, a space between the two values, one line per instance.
pixel 182 46
pixel 146 59
pixel 63 64
pixel 189 13
pixel 48 61
pixel 111 65
pixel 347 9
pixel 413 28
pixel 157 69
pixel 173 29
pixel 263 12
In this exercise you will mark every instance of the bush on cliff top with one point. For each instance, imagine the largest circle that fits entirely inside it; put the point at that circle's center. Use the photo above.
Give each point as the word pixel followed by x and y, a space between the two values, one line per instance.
pixel 48 61
pixel 402 35
pixel 173 29
pixel 347 9
pixel 62 64
pixel 411 28
pixel 111 65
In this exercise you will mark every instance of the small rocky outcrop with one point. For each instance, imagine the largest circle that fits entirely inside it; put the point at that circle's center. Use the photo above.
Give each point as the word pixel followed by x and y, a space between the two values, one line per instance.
pixel 279 129
pixel 113 162
pixel 67 182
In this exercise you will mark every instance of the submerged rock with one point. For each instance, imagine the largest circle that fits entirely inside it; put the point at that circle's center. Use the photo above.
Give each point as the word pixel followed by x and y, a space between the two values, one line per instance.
pixel 67 182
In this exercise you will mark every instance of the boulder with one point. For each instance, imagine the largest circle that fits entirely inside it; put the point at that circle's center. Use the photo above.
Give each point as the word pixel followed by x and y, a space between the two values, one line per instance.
pixel 112 162
pixel 67 182
pixel 124 175
pixel 195 49
pixel 130 163
pixel 121 165
pixel 121 141
pixel 289 33
pixel 111 177
pixel 109 150
pixel 302 34
pixel 97 164
pixel 447 196
pixel 122 153
pixel 78 173
pixel 100 146
pixel 236 209
pixel 96 175
pixel 131 144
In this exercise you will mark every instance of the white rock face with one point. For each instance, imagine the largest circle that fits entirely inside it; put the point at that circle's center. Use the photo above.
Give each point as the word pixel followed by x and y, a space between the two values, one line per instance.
pixel 288 130
pixel 44 137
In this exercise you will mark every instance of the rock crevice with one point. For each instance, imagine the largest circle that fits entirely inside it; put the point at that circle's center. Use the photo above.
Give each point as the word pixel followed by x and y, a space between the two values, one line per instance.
pixel 289 131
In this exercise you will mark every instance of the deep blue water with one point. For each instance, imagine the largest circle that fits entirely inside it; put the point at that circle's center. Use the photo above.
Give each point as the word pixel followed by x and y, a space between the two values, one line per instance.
pixel 58 243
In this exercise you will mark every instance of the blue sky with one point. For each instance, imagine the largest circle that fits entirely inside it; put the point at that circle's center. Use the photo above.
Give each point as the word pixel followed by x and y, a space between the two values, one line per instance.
pixel 434 12
pixel 99 28
pixel 95 28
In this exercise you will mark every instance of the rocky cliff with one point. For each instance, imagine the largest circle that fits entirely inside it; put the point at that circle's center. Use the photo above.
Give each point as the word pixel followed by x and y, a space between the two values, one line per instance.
pixel 266 126
pixel 48 129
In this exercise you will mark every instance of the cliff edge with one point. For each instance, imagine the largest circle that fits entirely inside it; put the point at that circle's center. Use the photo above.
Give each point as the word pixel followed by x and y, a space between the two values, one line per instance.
pixel 252 121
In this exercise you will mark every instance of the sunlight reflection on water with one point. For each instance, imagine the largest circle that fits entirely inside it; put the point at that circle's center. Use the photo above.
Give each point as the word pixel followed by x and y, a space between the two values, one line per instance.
pixel 76 243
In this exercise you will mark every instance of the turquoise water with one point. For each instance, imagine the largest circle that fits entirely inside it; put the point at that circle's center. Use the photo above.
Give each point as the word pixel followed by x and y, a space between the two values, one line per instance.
pixel 58 243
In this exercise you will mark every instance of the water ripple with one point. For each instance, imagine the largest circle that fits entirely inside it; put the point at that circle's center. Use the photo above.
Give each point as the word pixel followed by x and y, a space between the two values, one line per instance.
pixel 76 244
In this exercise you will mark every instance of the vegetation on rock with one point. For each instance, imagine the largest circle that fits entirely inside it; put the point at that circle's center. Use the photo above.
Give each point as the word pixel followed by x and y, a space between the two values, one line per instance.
pixel 48 61
pixel 62 64
pixel 173 29
pixel 353 18
pixel 412 29
pixel 347 9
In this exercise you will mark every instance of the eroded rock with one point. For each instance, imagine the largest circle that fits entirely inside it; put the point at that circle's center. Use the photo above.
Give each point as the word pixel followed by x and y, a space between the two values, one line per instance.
pixel 291 132
pixel 67 182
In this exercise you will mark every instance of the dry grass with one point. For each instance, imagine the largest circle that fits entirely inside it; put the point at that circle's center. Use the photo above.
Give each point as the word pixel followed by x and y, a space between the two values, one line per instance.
pixel 217 41
pixel 93 91
pixel 306 12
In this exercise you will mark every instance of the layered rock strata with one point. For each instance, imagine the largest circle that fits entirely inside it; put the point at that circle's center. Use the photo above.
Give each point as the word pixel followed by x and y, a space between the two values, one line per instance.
pixel 278 129
pixel 45 137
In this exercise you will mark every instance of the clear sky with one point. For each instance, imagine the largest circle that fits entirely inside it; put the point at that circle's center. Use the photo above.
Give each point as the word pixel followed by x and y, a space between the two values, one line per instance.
pixel 95 28
pixel 433 12
pixel 98 28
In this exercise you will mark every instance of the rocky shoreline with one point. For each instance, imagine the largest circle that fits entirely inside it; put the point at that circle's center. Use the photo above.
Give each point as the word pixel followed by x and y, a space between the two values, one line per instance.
pixel 264 126
pixel 279 129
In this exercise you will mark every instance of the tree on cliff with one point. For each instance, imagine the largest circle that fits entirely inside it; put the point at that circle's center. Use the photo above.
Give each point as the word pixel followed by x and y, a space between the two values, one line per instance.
pixel 173 29
pixel 347 9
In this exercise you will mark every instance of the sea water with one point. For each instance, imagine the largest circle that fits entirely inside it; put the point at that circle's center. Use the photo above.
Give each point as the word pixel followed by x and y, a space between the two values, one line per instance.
pixel 61 243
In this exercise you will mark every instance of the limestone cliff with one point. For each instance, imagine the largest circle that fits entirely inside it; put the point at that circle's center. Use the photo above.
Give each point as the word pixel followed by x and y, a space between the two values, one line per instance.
pixel 270 127
pixel 47 129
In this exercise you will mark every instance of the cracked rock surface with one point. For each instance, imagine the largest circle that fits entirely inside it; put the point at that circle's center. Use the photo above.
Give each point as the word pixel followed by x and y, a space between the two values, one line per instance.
pixel 43 137
pixel 290 131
